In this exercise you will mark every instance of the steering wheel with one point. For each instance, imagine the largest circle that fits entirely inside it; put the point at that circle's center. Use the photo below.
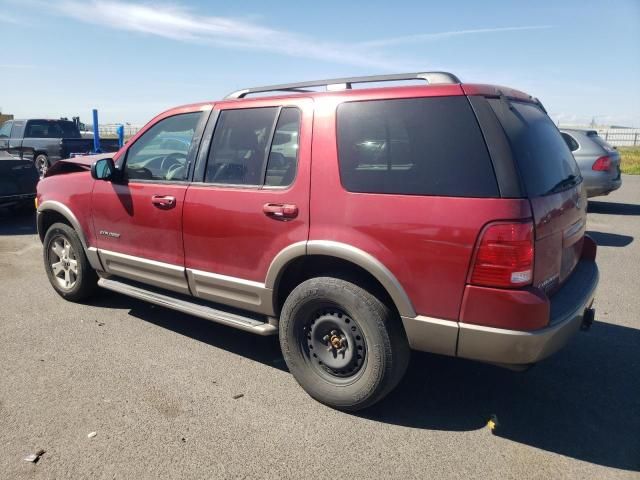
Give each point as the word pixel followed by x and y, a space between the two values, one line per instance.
pixel 175 170
pixel 172 159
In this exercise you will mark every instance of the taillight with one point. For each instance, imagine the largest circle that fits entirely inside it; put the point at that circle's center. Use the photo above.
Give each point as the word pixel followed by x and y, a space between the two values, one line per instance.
pixel 504 256
pixel 603 164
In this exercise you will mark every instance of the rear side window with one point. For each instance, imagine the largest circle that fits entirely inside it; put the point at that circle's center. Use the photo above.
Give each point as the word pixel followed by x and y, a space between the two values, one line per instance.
pixel 570 141
pixel 543 157
pixel 51 129
pixel 18 129
pixel 416 146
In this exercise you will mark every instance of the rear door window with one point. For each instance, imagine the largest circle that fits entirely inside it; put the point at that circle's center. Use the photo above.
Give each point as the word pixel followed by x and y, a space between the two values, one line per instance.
pixel 416 146
pixel 255 147
pixel 543 158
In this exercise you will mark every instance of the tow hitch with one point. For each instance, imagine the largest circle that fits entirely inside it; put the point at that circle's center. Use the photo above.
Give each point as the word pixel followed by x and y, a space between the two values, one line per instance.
pixel 588 318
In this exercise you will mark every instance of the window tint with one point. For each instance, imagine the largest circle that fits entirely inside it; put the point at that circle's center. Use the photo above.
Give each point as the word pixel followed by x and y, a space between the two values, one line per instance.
pixel 5 129
pixel 283 157
pixel 542 155
pixel 423 146
pixel 239 147
pixel 161 152
pixel 18 129
pixel 570 141
pixel 600 141
pixel 51 129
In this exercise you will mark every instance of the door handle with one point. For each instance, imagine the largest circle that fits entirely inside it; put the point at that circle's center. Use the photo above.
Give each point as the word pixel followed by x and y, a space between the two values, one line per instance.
pixel 163 201
pixel 280 211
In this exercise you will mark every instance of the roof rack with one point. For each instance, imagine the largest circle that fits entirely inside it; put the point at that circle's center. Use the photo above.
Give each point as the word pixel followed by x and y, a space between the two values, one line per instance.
pixel 336 84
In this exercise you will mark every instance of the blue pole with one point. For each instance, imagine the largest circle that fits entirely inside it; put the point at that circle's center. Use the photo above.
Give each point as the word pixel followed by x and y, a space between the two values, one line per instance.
pixel 96 133
pixel 120 131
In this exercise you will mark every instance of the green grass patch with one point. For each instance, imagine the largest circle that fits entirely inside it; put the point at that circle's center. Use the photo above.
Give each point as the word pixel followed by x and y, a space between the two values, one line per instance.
pixel 630 163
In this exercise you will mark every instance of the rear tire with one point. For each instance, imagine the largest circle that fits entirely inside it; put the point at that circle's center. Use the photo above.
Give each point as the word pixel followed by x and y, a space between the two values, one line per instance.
pixel 42 165
pixel 66 264
pixel 345 347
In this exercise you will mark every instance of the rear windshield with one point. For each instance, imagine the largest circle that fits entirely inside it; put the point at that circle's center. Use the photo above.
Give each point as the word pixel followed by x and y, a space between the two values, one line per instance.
pixel 51 129
pixel 544 160
pixel 599 140
pixel 414 146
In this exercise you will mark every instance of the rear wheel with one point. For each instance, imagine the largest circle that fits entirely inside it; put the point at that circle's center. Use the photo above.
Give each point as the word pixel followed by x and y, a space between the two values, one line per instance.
pixel 42 165
pixel 66 264
pixel 344 346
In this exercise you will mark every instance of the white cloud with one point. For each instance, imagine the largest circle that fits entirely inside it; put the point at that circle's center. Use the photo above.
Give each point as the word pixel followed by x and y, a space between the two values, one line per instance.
pixel 183 24
pixel 178 23
pixel 422 37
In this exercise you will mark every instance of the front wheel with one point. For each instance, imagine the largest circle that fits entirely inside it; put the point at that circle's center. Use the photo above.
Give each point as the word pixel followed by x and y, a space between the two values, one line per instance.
pixel 344 346
pixel 66 264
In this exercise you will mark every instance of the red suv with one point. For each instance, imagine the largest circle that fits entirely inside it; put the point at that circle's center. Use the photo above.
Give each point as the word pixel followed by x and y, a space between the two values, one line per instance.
pixel 356 223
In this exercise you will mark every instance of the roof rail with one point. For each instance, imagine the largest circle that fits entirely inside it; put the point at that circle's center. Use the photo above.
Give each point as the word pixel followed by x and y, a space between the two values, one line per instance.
pixel 336 84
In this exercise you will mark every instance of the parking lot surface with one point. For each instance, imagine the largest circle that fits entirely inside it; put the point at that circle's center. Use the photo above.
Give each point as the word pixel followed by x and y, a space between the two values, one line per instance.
pixel 160 389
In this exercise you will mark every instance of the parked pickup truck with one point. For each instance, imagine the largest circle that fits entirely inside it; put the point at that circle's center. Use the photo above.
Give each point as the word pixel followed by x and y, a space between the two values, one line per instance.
pixel 44 142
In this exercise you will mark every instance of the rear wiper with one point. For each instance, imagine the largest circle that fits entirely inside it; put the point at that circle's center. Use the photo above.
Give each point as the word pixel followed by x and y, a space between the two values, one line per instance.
pixel 570 181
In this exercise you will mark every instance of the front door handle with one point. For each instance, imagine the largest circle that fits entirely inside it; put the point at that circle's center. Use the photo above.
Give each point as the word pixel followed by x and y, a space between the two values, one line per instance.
pixel 163 201
pixel 280 211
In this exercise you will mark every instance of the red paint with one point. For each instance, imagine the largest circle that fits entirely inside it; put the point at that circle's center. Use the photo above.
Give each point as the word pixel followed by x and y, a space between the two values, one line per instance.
pixel 526 309
pixel 226 230
pixel 146 229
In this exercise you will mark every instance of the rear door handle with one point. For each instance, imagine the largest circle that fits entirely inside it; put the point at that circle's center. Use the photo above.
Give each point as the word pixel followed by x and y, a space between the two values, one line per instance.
pixel 280 211
pixel 163 201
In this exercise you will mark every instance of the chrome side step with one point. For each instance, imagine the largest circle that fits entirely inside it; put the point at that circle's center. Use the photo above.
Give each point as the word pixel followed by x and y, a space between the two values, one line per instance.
pixel 192 308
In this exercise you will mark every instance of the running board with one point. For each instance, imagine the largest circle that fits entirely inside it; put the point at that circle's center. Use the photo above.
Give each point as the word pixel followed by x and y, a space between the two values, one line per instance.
pixel 192 308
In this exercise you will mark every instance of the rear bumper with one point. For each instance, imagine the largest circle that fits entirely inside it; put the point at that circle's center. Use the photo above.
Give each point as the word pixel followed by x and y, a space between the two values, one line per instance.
pixel 595 189
pixel 515 347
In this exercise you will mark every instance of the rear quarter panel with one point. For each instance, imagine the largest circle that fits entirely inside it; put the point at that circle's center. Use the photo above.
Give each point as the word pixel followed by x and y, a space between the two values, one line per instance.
pixel 425 241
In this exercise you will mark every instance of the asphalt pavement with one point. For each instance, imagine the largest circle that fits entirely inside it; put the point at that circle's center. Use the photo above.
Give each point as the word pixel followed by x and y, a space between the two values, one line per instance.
pixel 173 396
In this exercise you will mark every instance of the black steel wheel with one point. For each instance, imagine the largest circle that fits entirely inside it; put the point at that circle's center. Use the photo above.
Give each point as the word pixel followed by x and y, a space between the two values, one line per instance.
pixel 343 345
pixel 334 345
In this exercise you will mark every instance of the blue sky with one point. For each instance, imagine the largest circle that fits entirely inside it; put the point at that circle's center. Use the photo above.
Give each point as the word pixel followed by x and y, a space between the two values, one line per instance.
pixel 133 59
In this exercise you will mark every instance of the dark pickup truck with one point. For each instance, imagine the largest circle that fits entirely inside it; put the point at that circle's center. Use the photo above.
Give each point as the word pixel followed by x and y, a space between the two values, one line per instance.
pixel 44 142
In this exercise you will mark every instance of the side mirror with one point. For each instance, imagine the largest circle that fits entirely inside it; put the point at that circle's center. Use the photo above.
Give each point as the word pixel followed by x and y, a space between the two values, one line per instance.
pixel 103 169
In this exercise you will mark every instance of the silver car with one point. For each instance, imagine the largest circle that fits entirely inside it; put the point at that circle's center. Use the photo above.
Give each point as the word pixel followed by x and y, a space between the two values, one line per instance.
pixel 599 162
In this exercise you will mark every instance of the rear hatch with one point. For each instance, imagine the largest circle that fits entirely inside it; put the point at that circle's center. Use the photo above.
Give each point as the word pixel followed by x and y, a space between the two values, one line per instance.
pixel 551 180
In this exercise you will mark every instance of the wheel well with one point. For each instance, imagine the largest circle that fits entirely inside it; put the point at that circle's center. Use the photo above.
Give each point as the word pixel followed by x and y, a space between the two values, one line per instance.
pixel 310 266
pixel 48 218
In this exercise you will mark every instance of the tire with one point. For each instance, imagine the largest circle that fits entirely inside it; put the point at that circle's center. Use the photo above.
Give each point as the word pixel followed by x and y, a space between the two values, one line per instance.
pixel 344 346
pixel 42 164
pixel 84 281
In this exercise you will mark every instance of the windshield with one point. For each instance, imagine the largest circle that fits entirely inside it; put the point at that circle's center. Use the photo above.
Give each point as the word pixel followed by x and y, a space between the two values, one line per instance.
pixel 543 158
